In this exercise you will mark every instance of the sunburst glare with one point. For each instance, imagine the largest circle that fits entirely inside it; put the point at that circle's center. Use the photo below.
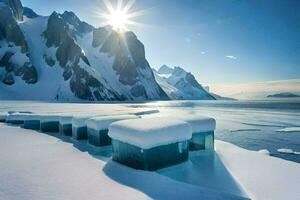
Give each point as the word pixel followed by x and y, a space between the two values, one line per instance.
pixel 120 17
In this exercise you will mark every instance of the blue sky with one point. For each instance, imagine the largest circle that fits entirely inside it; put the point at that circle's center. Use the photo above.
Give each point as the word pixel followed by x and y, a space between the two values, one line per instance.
pixel 220 41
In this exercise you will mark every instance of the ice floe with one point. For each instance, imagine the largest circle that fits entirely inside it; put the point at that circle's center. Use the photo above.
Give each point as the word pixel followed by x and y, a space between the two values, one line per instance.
pixel 289 129
pixel 288 151
pixel 264 151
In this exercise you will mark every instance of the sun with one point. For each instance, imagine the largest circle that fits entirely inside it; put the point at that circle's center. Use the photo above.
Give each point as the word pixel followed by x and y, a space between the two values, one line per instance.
pixel 120 17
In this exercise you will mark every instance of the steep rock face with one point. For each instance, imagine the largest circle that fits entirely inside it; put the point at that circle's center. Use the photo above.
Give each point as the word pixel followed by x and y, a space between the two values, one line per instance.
pixel 16 7
pixel 165 70
pixel 75 24
pixel 61 34
pixel 179 84
pixel 130 64
pixel 74 61
pixel 14 57
pixel 10 30
pixel 29 13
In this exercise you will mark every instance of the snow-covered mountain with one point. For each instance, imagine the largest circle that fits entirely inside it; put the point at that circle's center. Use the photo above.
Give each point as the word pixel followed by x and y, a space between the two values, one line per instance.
pixel 179 84
pixel 60 57
pixel 257 90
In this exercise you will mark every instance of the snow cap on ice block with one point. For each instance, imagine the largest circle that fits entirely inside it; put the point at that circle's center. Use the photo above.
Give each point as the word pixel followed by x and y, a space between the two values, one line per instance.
pixel 3 116
pixel 199 123
pixel 202 130
pixel 65 125
pixel 97 128
pixel 79 128
pixel 16 118
pixel 150 143
pixel 32 122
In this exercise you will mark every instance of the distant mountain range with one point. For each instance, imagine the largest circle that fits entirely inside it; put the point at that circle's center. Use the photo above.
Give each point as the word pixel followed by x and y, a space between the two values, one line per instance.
pixel 179 84
pixel 283 95
pixel 59 57
pixel 257 90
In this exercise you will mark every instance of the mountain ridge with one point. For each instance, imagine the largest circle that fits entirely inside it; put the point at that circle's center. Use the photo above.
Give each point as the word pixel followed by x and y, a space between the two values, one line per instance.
pixel 70 60
pixel 283 95
pixel 180 84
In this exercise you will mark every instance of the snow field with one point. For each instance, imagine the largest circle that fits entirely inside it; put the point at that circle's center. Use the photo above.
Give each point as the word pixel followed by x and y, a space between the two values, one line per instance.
pixel 45 167
pixel 97 177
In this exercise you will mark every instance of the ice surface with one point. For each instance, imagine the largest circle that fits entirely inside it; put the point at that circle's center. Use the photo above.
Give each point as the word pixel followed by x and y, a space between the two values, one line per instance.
pixel 147 112
pixel 150 132
pixel 263 177
pixel 94 177
pixel 101 123
pixel 289 129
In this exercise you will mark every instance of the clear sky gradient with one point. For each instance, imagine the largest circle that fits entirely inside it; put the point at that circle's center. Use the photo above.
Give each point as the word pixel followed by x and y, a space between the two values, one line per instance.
pixel 220 41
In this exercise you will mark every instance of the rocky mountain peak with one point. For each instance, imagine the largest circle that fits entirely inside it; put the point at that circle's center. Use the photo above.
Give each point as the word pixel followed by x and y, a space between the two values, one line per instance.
pixel 178 71
pixel 165 70
pixel 129 63
pixel 84 62
pixel 76 24
pixel 29 13
pixel 180 84
pixel 16 7
pixel 14 54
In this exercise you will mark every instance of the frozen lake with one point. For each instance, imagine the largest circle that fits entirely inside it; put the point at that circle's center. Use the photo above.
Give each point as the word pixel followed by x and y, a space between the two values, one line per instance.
pixel 273 125
pixel 253 125
pixel 66 168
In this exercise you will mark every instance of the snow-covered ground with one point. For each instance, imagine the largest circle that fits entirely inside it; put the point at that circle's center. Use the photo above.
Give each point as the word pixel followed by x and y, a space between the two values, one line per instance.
pixel 35 165
pixel 40 166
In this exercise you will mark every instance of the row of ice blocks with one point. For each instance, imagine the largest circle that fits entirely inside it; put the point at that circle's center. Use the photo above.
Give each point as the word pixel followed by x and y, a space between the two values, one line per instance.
pixel 95 129
pixel 147 144
pixel 154 143
pixel 80 127
pixel 45 123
